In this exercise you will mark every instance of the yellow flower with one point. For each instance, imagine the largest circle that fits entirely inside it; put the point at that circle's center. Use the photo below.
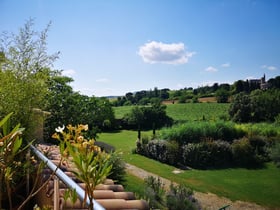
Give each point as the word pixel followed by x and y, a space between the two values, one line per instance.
pixel 80 139
pixel 55 136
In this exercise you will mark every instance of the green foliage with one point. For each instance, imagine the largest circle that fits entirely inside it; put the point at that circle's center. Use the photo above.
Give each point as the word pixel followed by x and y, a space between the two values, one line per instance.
pixel 194 132
pixel 24 73
pixel 259 106
pixel 66 105
pixel 118 172
pixel 150 117
pixel 12 158
pixel 244 154
pixel 207 154
pixel 92 165
pixel 222 95
pixel 275 154
pixel 233 183
pixel 154 192
pixel 164 151
pixel 181 197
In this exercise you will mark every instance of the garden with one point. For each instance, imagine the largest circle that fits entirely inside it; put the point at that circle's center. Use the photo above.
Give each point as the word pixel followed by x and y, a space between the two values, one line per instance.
pixel 231 149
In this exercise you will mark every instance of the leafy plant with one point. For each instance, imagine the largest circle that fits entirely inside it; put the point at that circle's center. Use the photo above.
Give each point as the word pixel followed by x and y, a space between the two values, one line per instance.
pixel 10 163
pixel 92 165
pixel 275 154
pixel 181 197
pixel 154 191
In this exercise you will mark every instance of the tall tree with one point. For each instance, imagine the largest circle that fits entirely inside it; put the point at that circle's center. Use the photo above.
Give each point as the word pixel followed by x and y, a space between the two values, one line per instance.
pixel 25 72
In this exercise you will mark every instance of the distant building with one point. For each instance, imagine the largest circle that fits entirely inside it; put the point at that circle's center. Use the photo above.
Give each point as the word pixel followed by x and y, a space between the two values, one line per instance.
pixel 259 82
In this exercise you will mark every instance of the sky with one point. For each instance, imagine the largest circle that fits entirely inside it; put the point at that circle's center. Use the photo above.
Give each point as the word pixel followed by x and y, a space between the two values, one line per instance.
pixel 112 47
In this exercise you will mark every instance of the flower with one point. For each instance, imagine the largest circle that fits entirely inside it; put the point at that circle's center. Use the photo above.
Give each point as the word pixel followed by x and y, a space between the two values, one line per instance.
pixel 80 139
pixel 60 129
pixel 55 136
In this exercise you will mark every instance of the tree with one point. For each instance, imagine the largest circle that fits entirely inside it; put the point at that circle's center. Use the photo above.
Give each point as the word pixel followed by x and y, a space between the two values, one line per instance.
pixel 69 107
pixel 24 73
pixel 240 109
pixel 255 107
pixel 222 95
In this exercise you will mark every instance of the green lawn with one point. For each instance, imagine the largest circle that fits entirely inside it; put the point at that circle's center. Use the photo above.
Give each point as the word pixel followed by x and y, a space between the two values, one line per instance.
pixel 260 186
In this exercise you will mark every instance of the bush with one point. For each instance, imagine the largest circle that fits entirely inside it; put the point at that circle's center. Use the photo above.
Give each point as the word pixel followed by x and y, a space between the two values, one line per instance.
pixel 154 192
pixel 181 197
pixel 207 154
pixel 244 154
pixel 118 168
pixel 163 151
pixel 275 154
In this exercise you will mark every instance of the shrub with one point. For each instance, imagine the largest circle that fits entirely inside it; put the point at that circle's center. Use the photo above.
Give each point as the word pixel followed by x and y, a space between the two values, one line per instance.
pixel 275 154
pixel 207 154
pixel 163 151
pixel 154 192
pixel 118 168
pixel 244 154
pixel 181 197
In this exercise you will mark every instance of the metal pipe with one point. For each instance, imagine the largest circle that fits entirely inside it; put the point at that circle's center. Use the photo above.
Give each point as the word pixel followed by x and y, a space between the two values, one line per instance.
pixel 67 180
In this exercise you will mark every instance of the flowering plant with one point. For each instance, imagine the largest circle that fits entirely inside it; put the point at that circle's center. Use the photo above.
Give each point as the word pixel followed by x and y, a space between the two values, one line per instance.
pixel 92 165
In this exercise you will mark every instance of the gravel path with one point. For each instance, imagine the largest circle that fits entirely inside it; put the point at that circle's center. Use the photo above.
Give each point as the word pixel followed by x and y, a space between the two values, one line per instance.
pixel 208 201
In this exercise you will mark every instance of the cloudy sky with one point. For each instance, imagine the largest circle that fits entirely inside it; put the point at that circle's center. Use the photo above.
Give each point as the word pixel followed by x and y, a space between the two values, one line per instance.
pixel 111 47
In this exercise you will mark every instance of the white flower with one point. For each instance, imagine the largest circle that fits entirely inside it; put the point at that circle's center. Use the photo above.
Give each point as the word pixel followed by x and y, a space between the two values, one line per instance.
pixel 60 129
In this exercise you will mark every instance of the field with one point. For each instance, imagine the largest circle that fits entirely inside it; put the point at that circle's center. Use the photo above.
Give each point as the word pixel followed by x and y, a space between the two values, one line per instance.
pixel 261 186
pixel 186 112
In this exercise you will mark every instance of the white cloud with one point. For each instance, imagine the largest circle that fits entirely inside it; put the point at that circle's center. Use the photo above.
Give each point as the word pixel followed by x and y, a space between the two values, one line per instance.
pixel 211 69
pixel 271 68
pixel 102 80
pixel 68 72
pixel 225 65
pixel 158 52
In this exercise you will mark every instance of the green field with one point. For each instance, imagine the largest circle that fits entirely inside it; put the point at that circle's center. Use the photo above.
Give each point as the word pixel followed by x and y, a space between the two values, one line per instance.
pixel 260 186
pixel 186 112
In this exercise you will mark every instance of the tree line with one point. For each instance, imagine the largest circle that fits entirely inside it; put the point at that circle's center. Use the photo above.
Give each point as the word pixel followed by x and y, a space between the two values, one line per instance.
pixel 222 93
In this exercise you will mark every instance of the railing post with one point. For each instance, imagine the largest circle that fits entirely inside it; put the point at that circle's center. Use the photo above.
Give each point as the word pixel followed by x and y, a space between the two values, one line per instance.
pixel 56 194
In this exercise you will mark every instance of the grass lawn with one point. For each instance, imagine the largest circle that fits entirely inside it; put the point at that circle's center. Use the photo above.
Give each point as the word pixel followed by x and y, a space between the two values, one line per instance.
pixel 261 186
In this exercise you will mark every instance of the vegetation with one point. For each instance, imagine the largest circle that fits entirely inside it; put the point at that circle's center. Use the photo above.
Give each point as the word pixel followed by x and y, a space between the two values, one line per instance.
pixel 92 165
pixel 68 106
pixel 12 162
pixel 233 183
pixel 177 197
pixel 200 135
pixel 275 154
pixel 24 74
pixel 258 106
pixel 151 117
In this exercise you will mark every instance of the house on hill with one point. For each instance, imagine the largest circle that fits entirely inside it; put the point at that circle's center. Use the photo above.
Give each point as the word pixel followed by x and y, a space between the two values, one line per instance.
pixel 263 85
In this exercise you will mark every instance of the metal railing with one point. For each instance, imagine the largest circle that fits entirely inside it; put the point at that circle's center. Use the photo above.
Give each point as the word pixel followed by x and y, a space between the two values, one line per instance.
pixel 65 179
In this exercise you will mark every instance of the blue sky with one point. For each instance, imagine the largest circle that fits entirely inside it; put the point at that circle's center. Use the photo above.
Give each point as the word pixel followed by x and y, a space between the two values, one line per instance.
pixel 111 47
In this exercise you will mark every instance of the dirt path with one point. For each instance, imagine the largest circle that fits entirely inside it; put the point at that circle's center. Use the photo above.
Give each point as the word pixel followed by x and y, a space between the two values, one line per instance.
pixel 208 201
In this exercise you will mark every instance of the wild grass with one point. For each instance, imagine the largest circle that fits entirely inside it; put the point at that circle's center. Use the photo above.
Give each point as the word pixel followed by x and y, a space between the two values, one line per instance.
pixel 261 186
pixel 197 131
